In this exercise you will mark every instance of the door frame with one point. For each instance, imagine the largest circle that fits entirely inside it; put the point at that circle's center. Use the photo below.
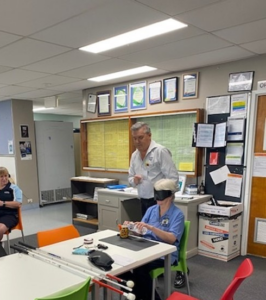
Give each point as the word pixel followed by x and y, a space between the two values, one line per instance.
pixel 249 166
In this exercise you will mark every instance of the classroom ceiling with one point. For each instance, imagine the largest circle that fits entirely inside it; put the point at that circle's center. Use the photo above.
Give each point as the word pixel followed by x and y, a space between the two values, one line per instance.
pixel 39 41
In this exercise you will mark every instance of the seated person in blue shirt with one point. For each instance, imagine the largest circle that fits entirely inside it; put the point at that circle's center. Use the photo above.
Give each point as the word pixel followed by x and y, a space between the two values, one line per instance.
pixel 164 223
pixel 10 201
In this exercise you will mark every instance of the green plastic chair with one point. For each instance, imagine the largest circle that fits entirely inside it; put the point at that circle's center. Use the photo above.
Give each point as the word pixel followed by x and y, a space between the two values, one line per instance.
pixel 78 293
pixel 182 262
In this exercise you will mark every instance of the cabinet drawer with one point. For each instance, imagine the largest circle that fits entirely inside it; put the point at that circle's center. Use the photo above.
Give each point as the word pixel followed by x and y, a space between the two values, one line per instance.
pixel 108 200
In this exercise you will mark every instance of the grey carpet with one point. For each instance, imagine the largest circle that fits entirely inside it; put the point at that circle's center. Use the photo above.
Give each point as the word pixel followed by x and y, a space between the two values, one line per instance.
pixel 208 277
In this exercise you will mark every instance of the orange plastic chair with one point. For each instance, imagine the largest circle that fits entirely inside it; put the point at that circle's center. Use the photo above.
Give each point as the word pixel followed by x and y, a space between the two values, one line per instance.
pixel 243 271
pixel 19 226
pixel 56 235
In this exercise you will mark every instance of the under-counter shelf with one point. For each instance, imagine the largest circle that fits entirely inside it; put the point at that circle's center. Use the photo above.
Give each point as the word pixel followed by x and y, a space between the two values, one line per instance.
pixel 91 221
pixel 85 186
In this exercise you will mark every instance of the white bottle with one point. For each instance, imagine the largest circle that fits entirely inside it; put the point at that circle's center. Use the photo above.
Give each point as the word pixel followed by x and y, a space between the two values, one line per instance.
pixel 133 227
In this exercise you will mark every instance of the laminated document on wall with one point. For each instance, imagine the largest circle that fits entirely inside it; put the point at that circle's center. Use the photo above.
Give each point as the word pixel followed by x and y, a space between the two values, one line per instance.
pixel 220 135
pixel 233 185
pixel 209 135
pixel 218 105
pixel 203 135
pixel 234 153
pixel 236 129
pixel 219 175
pixel 239 104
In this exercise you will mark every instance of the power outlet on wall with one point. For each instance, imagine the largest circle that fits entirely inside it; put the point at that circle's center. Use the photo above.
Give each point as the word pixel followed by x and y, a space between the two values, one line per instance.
pixel 30 200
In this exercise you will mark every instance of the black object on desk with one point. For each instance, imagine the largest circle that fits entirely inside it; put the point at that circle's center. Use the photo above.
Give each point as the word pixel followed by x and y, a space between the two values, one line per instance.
pixel 131 243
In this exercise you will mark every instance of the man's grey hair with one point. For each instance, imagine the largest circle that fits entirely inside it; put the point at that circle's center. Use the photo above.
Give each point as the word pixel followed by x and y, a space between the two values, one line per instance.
pixel 139 125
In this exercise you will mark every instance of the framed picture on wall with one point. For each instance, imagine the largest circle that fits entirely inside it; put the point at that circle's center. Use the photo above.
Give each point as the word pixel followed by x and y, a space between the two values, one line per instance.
pixel 91 103
pixel 120 98
pixel 155 92
pixel 241 81
pixel 104 103
pixel 170 89
pixel 24 131
pixel 190 85
pixel 138 95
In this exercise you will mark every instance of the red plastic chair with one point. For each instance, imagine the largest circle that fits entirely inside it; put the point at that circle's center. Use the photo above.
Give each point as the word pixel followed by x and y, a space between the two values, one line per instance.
pixel 243 271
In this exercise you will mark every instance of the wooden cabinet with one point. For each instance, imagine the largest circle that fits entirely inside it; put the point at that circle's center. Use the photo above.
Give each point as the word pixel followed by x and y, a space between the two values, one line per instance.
pixel 115 207
pixel 85 200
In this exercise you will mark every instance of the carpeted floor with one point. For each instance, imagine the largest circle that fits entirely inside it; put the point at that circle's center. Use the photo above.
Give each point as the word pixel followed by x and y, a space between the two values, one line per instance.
pixel 209 277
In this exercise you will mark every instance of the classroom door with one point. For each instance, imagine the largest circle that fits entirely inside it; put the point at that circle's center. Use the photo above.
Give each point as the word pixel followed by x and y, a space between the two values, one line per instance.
pixel 258 188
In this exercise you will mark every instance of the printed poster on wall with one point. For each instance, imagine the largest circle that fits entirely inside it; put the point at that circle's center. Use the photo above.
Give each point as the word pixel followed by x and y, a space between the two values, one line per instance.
pixel 25 150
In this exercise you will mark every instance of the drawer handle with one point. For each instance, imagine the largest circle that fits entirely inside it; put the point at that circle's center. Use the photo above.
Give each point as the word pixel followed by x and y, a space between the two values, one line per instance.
pixel 107 200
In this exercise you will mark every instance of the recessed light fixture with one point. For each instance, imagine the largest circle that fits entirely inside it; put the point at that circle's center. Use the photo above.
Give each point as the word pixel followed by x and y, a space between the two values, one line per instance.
pixel 42 108
pixel 122 74
pixel 135 36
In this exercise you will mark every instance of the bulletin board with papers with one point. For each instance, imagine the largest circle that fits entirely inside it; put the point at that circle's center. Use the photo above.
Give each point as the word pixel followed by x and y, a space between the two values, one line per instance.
pixel 225 159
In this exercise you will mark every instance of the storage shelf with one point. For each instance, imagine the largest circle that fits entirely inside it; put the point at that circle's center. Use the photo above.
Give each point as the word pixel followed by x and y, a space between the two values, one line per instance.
pixel 84 191
pixel 85 200
pixel 91 221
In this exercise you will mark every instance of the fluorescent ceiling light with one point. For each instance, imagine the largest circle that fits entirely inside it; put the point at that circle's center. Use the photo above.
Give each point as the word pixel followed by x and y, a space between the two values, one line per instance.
pixel 122 74
pixel 42 108
pixel 134 36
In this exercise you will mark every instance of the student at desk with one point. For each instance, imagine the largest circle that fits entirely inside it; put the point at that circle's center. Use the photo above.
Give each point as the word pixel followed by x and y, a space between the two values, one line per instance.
pixel 165 223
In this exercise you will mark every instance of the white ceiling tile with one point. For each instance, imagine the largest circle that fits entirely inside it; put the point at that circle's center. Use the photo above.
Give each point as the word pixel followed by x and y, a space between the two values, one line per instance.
pixel 48 81
pixel 17 76
pixel 112 18
pixel 225 14
pixel 40 93
pixel 171 37
pixel 7 38
pixel 178 49
pixel 258 47
pixel 28 16
pixel 205 59
pixel 13 90
pixel 101 68
pixel 79 85
pixel 27 51
pixel 66 61
pixel 4 69
pixel 173 7
pixel 244 33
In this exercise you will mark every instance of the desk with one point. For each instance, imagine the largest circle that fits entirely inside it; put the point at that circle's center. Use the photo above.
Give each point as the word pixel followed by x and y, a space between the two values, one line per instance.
pixel 139 258
pixel 116 206
pixel 25 278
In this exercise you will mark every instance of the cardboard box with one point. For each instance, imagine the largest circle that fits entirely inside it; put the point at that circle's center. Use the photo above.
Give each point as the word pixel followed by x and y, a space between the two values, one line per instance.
pixel 219 239
pixel 231 208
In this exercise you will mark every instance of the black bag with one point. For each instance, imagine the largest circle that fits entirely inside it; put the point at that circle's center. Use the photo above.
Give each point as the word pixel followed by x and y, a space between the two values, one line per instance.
pixel 101 260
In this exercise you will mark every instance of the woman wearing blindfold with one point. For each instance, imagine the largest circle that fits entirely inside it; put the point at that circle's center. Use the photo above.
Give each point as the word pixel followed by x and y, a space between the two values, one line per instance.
pixel 164 223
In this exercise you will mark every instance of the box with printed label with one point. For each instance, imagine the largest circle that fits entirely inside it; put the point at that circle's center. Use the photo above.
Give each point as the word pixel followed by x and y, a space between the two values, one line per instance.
pixel 219 238
pixel 225 208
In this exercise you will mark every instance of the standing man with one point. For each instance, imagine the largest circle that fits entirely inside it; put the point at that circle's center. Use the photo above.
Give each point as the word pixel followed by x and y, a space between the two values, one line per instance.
pixel 149 163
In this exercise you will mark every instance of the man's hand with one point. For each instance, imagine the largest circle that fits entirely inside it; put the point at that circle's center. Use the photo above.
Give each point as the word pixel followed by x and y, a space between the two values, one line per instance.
pixel 137 179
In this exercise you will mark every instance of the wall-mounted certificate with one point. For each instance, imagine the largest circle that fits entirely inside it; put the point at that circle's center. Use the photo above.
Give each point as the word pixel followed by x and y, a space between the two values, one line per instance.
pixel 120 98
pixel 190 85
pixel 104 104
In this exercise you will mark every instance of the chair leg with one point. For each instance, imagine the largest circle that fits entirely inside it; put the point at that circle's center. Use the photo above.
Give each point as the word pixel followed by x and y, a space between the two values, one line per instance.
pixel 22 233
pixel 8 244
pixel 153 289
pixel 187 282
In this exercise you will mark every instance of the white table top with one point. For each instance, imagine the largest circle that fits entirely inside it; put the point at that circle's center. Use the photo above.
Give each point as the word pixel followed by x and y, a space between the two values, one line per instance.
pixel 25 278
pixel 64 249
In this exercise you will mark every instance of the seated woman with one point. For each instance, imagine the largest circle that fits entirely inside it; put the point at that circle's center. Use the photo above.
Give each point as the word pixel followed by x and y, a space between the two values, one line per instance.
pixel 164 223
pixel 10 201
